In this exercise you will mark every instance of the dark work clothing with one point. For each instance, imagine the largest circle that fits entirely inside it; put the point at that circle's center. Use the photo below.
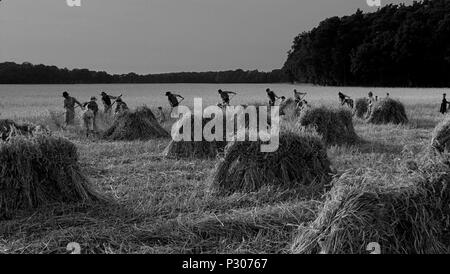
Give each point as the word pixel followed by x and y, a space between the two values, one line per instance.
pixel 225 97
pixel 272 96
pixel 106 100
pixel 444 106
pixel 173 100
pixel 92 105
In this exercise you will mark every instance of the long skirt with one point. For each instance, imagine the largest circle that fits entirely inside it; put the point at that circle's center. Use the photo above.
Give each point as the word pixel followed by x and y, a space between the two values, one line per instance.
pixel 70 117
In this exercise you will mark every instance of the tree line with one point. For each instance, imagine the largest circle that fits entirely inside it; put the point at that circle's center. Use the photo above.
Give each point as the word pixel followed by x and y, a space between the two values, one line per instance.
pixel 398 45
pixel 26 73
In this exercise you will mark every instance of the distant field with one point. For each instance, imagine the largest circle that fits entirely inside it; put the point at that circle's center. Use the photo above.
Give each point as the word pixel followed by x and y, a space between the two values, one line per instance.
pixel 163 205
pixel 25 101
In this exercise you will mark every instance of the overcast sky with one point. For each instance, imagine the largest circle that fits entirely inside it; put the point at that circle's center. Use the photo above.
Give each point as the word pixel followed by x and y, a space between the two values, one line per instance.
pixel 152 36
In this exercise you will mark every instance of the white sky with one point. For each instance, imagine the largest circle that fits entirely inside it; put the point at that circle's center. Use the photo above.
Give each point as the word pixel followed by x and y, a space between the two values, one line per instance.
pixel 152 36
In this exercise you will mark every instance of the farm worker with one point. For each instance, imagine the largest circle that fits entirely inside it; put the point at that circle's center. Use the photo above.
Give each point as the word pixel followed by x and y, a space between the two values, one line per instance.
pixel 69 105
pixel 225 95
pixel 387 95
pixel 106 99
pixel 371 101
pixel 345 99
pixel 90 115
pixel 161 116
pixel 272 97
pixel 298 96
pixel 173 99
pixel 121 106
pixel 444 104
pixel 342 97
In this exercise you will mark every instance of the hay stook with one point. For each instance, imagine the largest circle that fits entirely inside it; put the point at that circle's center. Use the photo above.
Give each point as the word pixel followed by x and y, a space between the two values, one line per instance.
pixel 335 125
pixel 300 163
pixel 40 170
pixel 140 124
pixel 440 142
pixel 388 111
pixel 191 148
pixel 361 108
pixel 10 129
pixel 408 219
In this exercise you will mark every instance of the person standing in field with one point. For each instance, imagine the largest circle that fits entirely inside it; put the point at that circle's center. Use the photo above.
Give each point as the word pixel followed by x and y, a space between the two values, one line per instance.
pixel 121 106
pixel 272 97
pixel 173 99
pixel 90 116
pixel 106 100
pixel 298 97
pixel 444 104
pixel 69 105
pixel 371 101
pixel 161 116
pixel 225 96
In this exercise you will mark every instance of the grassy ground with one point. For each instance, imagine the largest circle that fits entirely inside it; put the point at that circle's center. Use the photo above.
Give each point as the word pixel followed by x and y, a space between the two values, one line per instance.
pixel 163 206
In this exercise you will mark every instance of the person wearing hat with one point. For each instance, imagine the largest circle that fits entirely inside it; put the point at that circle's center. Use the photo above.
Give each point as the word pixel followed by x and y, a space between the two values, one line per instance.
pixel 69 105
pixel 173 99
pixel 106 100
pixel 90 116
pixel 121 106
pixel 444 104
pixel 272 97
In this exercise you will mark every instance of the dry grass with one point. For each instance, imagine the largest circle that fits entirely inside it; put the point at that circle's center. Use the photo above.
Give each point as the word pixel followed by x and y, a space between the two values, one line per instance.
pixel 300 164
pixel 140 124
pixel 441 137
pixel 36 171
pixel 191 149
pixel 388 111
pixel 164 205
pixel 361 108
pixel 335 125
pixel 408 213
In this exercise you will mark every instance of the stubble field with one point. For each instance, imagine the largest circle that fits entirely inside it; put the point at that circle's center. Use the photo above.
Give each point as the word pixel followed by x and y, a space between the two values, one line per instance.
pixel 164 206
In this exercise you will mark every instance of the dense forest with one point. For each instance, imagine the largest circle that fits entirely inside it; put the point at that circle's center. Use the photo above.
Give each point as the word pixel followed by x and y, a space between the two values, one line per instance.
pixel 398 45
pixel 26 73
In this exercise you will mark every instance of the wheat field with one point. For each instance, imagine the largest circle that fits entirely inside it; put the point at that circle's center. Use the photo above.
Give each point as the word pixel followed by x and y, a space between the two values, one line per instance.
pixel 164 206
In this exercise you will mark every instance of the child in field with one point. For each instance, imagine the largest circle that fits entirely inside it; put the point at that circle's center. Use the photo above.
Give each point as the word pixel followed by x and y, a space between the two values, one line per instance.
pixel 371 101
pixel 161 116
pixel 90 115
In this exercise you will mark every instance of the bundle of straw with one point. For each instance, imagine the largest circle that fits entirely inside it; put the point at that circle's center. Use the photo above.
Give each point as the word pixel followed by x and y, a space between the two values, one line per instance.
pixel 388 111
pixel 335 125
pixel 361 107
pixel 300 163
pixel 440 141
pixel 9 129
pixel 195 149
pixel 408 218
pixel 39 170
pixel 140 124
